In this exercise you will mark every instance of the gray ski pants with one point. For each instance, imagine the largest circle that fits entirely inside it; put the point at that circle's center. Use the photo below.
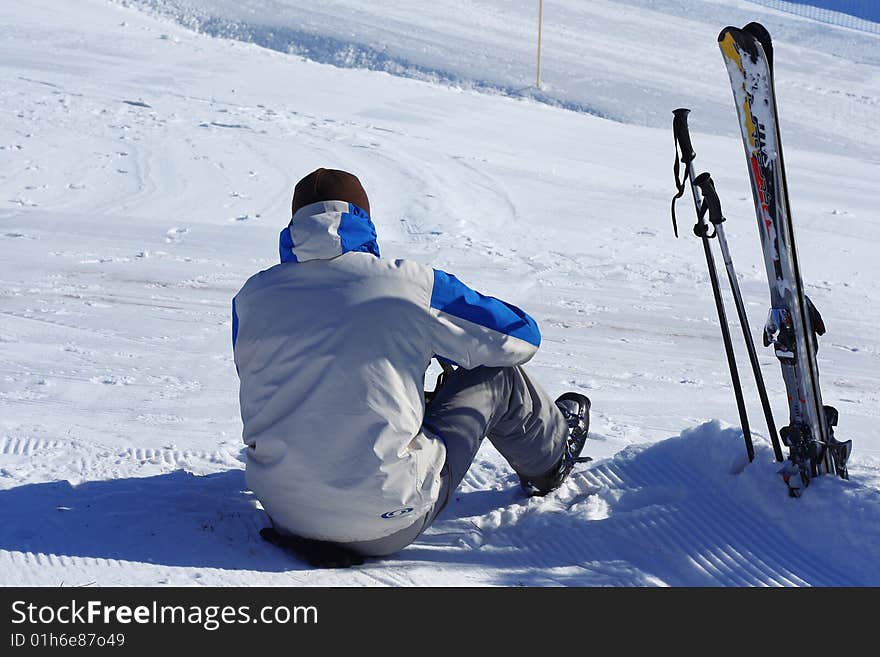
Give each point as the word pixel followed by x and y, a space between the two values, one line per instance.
pixel 502 404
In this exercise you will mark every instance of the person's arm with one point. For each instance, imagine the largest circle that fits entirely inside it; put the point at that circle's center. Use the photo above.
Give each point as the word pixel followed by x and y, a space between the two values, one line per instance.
pixel 471 329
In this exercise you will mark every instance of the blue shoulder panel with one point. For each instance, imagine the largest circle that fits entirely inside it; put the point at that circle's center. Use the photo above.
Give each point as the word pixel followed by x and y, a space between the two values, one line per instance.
pixel 453 297
pixel 357 232
pixel 285 246
pixel 234 324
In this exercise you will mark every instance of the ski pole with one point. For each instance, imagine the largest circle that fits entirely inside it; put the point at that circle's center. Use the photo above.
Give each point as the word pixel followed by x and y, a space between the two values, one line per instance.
pixel 701 229
pixel 716 218
pixel 712 204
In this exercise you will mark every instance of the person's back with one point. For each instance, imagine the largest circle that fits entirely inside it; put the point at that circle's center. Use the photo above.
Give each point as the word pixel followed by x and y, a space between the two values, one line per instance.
pixel 332 346
pixel 332 355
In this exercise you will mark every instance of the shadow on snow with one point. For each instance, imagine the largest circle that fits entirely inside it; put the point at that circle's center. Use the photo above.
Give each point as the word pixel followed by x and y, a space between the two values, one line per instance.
pixel 173 519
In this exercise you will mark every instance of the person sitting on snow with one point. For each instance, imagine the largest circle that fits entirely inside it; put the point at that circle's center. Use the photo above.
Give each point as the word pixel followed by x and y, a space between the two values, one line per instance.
pixel 332 346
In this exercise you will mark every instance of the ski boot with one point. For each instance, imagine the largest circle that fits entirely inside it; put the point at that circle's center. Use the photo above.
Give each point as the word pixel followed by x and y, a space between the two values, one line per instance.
pixel 575 407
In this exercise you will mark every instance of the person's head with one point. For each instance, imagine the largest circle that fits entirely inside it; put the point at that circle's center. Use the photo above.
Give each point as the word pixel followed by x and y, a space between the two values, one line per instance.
pixel 330 215
pixel 329 185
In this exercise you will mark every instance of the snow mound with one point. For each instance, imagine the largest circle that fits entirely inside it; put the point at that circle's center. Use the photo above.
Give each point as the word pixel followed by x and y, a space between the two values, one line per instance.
pixel 686 511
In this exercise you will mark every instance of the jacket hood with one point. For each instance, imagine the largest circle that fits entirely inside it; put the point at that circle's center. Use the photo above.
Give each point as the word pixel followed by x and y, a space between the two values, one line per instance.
pixel 327 229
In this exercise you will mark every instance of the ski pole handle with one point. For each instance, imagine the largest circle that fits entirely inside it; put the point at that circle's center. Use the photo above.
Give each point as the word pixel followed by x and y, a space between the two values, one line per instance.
pixel 710 197
pixel 682 139
pixel 682 134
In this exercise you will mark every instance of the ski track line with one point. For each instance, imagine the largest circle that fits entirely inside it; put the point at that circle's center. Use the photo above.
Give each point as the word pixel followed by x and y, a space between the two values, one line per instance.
pixel 743 555
pixel 712 561
pixel 385 577
pixel 655 524
pixel 10 446
pixel 576 552
pixel 169 456
pixel 759 544
pixel 751 533
pixel 65 327
pixel 44 560
pixel 97 569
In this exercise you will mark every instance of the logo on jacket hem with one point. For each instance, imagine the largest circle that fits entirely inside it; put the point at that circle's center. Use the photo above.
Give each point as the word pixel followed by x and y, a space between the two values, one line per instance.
pixel 396 514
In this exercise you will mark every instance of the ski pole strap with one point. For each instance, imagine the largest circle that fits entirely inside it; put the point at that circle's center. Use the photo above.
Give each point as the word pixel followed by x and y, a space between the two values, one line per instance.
pixel 679 185
pixel 815 318
pixel 682 140
pixel 701 228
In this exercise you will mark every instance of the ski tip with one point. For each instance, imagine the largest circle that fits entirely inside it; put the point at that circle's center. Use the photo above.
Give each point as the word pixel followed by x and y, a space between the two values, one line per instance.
pixel 760 33
pixel 727 30
pixel 757 29
pixel 731 38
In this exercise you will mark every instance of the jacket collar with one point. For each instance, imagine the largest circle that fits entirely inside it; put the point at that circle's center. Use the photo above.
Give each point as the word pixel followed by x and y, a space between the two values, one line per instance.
pixel 327 229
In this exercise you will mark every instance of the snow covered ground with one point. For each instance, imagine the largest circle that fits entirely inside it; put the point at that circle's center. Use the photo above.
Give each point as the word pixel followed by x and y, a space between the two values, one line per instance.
pixel 146 170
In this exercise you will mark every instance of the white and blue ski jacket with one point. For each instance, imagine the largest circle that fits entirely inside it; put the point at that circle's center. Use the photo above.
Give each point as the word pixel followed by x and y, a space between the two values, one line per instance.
pixel 331 347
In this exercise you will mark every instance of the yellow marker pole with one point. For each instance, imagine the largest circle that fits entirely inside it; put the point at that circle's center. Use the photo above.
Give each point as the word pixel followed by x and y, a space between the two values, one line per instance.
pixel 540 24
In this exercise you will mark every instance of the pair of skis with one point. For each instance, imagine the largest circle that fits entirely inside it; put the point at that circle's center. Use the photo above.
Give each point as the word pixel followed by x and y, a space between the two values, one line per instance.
pixel 794 323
